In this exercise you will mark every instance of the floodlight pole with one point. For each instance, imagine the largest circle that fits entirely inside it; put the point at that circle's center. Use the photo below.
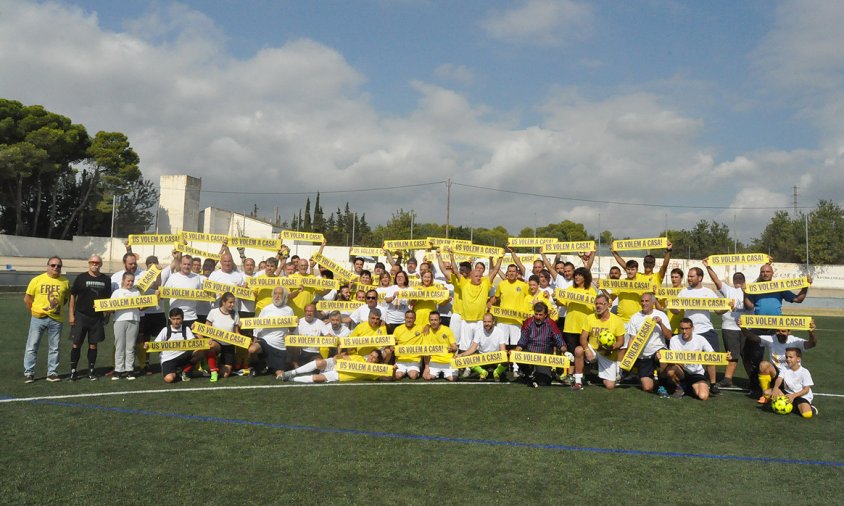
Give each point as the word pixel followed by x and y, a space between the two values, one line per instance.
pixel 447 206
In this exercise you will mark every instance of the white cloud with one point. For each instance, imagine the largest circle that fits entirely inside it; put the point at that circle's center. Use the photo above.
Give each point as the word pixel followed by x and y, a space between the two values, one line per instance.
pixel 540 22
pixel 458 73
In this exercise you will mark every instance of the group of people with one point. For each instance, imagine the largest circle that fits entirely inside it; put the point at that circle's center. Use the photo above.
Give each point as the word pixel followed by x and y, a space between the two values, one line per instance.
pixel 553 308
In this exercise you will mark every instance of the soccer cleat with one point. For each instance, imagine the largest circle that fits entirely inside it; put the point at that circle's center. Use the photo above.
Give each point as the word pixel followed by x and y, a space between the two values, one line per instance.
pixel 130 376
pixel 764 399
pixel 678 394
pixel 28 378
pixel 533 384
pixel 725 383
pixel 713 389
pixel 185 376
pixel 92 376
pixel 662 392
pixel 252 372
pixel 214 376
pixel 73 375
pixel 577 386
pixel 116 376
pixel 483 375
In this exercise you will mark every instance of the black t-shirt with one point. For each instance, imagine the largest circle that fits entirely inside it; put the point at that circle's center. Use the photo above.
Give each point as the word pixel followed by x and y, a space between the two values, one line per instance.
pixel 86 288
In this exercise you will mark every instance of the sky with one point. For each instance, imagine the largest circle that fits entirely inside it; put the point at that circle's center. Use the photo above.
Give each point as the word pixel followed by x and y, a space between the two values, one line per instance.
pixel 624 116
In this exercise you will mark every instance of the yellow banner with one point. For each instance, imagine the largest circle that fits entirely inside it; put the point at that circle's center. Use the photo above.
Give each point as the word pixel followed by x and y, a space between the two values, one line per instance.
pixel 407 244
pixel 178 345
pixel 169 292
pixel 374 340
pixel 125 303
pixel 739 259
pixel 477 250
pixel 499 312
pixel 524 357
pixel 692 357
pixel 320 283
pixel 272 281
pixel 153 239
pixel 269 322
pixel 569 247
pixel 439 242
pixel 775 322
pixel 639 244
pixel 354 367
pixel 777 285
pixel 301 236
pixel 194 252
pixel 355 286
pixel 668 292
pixel 634 349
pixel 625 285
pixel 529 242
pixel 495 357
pixel 338 305
pixel 421 349
pixel 241 292
pixel 339 271
pixel 359 251
pixel 702 303
pixel 220 335
pixel 255 242
pixel 420 294
pixel 148 278
pixel 298 341
pixel 203 237
pixel 528 257
pixel 583 298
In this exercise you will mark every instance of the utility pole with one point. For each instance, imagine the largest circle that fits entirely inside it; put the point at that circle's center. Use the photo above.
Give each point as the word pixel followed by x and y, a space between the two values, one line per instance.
pixel 447 207
pixel 795 200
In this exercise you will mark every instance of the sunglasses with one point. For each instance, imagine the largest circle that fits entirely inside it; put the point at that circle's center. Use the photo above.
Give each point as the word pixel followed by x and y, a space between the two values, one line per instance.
pixel 56 266
pixel 371 298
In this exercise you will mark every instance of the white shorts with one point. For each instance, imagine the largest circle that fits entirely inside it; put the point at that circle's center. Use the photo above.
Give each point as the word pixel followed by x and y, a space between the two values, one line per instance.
pixel 331 376
pixel 445 369
pixel 607 369
pixel 456 326
pixel 467 333
pixel 403 367
pixel 512 333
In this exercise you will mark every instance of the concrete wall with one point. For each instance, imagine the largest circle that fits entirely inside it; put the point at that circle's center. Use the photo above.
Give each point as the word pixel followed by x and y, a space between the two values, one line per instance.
pixel 222 221
pixel 179 204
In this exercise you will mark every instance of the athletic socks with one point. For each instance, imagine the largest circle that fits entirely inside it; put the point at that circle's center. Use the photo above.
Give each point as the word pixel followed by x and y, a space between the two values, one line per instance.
pixel 501 369
pixel 75 354
pixel 212 362
pixel 303 379
pixel 478 369
pixel 92 358
pixel 304 369
pixel 765 381
pixel 578 378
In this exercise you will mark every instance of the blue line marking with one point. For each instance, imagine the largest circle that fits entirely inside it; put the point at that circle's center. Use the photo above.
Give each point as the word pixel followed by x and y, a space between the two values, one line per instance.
pixel 446 439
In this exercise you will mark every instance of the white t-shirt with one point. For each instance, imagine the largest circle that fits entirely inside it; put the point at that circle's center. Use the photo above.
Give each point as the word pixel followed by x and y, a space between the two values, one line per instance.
pixel 729 320
pixel 562 283
pixel 699 317
pixel 656 341
pixel 397 308
pixel 231 278
pixel 202 307
pixel 191 281
pixel 776 349
pixel 274 336
pixel 361 314
pixel 795 381
pixel 117 277
pixel 182 334
pixel 696 343
pixel 313 328
pixel 490 342
pixel 328 330
pixel 227 322
pixel 126 315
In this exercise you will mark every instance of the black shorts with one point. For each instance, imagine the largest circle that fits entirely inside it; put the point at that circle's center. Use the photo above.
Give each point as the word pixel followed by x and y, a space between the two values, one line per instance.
pixel 91 326
pixel 711 337
pixel 572 340
pixel 227 353
pixel 734 342
pixel 172 365
pixel 798 401
pixel 276 359
pixel 151 325
pixel 246 314
pixel 647 366
pixel 691 379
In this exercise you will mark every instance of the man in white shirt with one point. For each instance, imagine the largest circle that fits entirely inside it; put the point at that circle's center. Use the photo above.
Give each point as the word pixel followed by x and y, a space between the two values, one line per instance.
pixel 269 342
pixel 689 376
pixel 655 342
pixel 734 339
pixel 184 278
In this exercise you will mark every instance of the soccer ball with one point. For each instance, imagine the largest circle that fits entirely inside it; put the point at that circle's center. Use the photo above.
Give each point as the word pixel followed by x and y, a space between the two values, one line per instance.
pixel 781 405
pixel 606 339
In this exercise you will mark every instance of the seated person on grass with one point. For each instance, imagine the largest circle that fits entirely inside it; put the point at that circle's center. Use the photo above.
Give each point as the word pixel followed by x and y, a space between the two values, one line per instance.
pixel 795 382
pixel 322 370
pixel 688 376
pixel 171 361
pixel 770 369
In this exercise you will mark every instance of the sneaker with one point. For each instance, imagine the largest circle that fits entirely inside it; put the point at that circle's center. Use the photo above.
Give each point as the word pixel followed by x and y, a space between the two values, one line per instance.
pixel 532 384
pixel 28 378
pixel 73 375
pixel 287 376
pixel 577 386
pixel 252 372
pixel 53 378
pixel 662 392
pixel 725 383
pixel 214 376
pixel 185 376
pixel 568 381
pixel 814 410
pixel 130 376
pixel 678 394
pixel 483 376
pixel 764 399
pixel 93 377
pixel 466 372
pixel 115 376
pixel 713 389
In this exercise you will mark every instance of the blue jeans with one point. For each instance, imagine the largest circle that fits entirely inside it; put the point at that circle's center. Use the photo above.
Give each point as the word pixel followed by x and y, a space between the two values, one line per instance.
pixel 37 328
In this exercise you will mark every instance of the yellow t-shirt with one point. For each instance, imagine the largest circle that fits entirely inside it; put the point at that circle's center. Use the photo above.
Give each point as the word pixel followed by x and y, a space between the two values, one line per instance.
pixel 48 295
pixel 365 330
pixel 594 326
pixel 424 308
pixel 457 299
pixel 444 336
pixel 304 297
pixel 511 296
pixel 577 312
pixel 408 336
pixel 629 303
pixel 541 296
pixel 475 298
pixel 263 294
pixel 346 376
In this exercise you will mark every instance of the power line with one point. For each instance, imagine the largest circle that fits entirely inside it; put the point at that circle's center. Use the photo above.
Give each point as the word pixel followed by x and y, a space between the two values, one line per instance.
pixel 595 201
pixel 355 190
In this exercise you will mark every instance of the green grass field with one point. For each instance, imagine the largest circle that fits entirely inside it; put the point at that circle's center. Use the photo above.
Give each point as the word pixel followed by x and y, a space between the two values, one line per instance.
pixel 408 442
